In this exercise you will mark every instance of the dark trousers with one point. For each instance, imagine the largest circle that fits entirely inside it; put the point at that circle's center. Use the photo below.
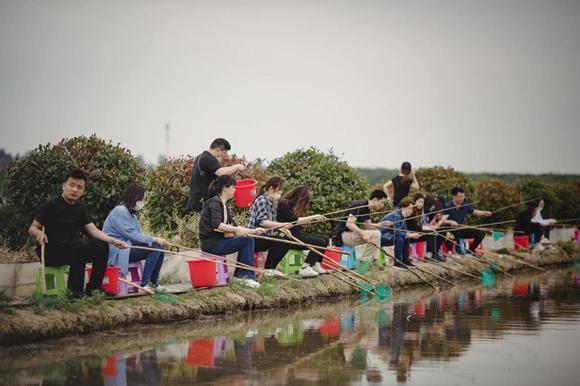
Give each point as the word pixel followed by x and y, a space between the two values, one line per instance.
pixel 433 242
pixel 401 243
pixel 318 240
pixel 276 251
pixel 77 254
pixel 245 248
pixel 467 233
pixel 536 230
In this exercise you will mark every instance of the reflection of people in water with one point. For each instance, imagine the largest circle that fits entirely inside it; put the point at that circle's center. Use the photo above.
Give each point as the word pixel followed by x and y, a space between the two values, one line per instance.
pixel 143 369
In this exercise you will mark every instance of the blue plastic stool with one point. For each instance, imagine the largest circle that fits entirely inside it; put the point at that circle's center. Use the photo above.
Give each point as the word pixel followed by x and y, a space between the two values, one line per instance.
pixel 349 260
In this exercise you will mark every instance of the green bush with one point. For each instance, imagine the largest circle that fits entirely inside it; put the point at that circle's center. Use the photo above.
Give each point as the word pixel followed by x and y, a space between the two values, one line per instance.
pixel 496 194
pixel 13 227
pixel 439 181
pixel 167 193
pixel 534 188
pixel 333 183
pixel 39 175
pixel 567 204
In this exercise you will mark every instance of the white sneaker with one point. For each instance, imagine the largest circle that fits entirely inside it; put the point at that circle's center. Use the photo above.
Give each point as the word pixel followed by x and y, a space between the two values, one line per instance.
pixel 307 271
pixel 158 289
pixel 250 283
pixel 318 269
pixel 538 248
pixel 272 272
pixel 545 241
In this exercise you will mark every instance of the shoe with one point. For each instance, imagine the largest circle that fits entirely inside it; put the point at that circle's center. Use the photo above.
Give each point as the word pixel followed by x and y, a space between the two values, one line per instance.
pixel 307 271
pixel 250 283
pixel 272 273
pixel 400 267
pixel 77 295
pixel 545 241
pixel 90 293
pixel 318 269
pixel 409 264
pixel 538 248
pixel 440 257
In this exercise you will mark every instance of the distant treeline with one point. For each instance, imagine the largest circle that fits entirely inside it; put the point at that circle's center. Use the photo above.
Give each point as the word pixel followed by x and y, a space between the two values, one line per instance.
pixel 378 175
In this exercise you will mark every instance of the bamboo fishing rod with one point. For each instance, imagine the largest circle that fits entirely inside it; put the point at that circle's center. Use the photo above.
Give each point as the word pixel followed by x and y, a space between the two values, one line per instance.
pixel 518 261
pixel 437 264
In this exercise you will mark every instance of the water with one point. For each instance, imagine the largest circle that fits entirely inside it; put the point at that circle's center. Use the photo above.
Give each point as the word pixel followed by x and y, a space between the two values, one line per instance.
pixel 521 332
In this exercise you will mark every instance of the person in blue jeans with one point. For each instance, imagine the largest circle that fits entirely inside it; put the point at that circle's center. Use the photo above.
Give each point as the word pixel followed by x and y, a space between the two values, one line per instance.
pixel 397 234
pixel 122 223
pixel 219 234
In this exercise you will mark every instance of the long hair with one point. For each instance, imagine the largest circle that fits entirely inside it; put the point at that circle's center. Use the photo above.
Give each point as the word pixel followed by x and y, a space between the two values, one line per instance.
pixel 298 199
pixel 275 182
pixel 216 187
pixel 532 206
pixel 133 193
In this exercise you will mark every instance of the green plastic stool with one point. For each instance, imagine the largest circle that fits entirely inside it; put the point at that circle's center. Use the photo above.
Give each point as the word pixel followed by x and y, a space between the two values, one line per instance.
pixel 291 262
pixel 54 276
pixel 382 261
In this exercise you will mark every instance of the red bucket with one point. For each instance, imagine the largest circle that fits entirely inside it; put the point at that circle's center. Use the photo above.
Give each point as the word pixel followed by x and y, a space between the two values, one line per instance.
pixel 521 242
pixel 331 255
pixel 202 273
pixel 245 193
pixel 111 279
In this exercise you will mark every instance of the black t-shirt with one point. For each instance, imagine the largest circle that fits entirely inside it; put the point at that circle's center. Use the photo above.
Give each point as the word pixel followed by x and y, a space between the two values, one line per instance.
pixel 401 189
pixel 63 222
pixel 202 175
pixel 362 215
pixel 285 213
pixel 211 217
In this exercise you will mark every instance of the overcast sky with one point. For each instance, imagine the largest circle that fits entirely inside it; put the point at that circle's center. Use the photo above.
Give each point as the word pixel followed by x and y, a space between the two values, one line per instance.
pixel 482 85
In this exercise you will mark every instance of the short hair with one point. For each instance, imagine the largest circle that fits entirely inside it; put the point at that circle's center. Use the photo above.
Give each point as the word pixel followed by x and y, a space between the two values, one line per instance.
pixel 406 166
pixel 457 190
pixel 378 194
pixel 406 202
pixel 221 144
pixel 133 193
pixel 77 174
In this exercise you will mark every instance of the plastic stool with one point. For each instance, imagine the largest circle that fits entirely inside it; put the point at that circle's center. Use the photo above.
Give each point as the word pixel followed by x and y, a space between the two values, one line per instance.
pixel 291 262
pixel 110 280
pixel 222 273
pixel 382 261
pixel 349 260
pixel 135 272
pixel 521 242
pixel 54 276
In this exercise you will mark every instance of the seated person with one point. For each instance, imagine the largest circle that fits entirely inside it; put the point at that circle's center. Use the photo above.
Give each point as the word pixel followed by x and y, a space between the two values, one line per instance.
pixel 262 216
pixel 64 218
pixel 525 225
pixel 123 224
pixel 220 235
pixel 292 209
pixel 419 222
pixel 349 233
pixel 544 224
pixel 397 233
pixel 457 211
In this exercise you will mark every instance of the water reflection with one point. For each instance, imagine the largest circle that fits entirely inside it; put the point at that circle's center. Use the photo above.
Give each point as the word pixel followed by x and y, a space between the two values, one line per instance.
pixel 327 344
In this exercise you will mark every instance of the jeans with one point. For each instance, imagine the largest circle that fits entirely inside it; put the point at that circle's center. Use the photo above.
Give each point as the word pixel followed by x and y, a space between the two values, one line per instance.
pixel 153 263
pixel 317 240
pixel 245 248
pixel 401 243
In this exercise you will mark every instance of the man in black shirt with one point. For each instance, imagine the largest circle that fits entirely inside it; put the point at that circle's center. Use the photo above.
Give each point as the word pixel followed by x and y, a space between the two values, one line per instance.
pixel 349 232
pixel 206 168
pixel 400 186
pixel 64 218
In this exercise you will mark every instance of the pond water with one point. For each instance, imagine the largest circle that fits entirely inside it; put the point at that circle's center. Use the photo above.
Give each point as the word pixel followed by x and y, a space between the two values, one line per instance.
pixel 522 331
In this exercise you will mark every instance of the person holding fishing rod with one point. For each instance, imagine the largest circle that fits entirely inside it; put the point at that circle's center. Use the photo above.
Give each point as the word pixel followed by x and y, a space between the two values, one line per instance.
pixel 122 223
pixel 457 212
pixel 545 224
pixel 220 235
pixel 398 235
pixel 422 223
pixel 348 233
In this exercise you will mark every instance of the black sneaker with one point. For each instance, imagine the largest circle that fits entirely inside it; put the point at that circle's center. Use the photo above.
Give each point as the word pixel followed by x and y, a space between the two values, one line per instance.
pixel 409 264
pixel 76 295
pixel 399 266
pixel 440 257
pixel 91 293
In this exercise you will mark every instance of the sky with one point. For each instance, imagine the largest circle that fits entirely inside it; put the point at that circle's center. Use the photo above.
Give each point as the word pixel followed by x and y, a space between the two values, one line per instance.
pixel 488 85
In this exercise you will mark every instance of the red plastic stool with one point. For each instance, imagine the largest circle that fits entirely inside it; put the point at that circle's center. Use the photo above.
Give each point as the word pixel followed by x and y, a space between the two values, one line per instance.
pixel 521 242
pixel 111 279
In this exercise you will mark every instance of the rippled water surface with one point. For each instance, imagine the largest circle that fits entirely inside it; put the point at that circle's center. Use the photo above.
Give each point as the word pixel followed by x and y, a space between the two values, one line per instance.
pixel 523 331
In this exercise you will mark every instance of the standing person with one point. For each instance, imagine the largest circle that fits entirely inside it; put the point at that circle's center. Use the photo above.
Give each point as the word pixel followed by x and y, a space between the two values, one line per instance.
pixel 220 235
pixel 206 168
pixel 525 223
pixel 122 223
pixel 292 209
pixel 544 224
pixel 457 211
pixel 262 216
pixel 398 235
pixel 64 218
pixel 400 186
pixel 359 212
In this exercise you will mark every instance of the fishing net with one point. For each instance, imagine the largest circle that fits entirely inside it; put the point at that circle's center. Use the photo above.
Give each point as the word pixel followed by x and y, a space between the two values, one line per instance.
pixel 362 267
pixel 382 292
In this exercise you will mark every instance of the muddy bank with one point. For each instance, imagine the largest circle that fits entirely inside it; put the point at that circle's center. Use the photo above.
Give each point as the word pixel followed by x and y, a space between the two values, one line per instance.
pixel 28 324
